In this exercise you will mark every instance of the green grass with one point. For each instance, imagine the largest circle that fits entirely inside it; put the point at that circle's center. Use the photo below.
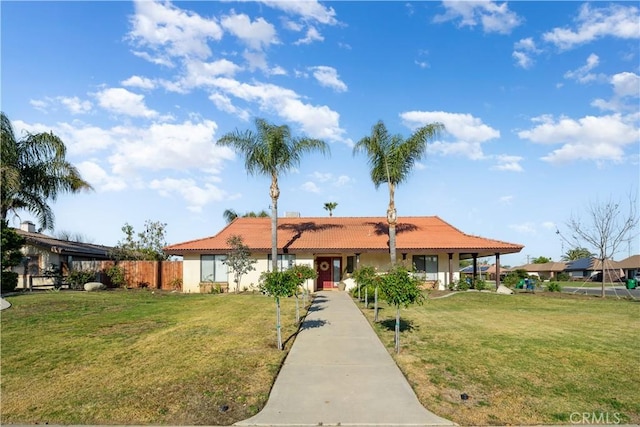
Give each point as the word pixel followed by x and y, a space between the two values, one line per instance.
pixel 137 357
pixel 523 359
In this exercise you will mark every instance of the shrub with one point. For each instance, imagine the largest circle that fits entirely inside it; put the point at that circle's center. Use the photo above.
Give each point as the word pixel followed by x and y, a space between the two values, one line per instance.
pixel 554 287
pixel 116 274
pixel 9 281
pixel 563 277
pixel 77 278
pixel 481 285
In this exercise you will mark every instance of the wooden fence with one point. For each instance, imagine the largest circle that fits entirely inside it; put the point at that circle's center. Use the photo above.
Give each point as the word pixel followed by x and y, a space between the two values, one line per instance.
pixel 166 275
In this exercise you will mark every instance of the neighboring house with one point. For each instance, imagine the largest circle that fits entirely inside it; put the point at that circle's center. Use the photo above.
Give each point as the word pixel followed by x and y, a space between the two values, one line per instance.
pixel 481 271
pixel 334 247
pixel 589 268
pixel 44 253
pixel 631 266
pixel 545 270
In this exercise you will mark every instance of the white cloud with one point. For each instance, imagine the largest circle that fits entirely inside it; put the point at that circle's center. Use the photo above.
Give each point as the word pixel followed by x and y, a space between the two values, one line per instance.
pixel 78 137
pixel 200 73
pixel 626 85
pixel 328 77
pixel 508 163
pixel 168 146
pixel 315 121
pixel 139 82
pixel 99 178
pixel 343 180
pixel 73 105
pixel 308 10
pixel 311 187
pixel 258 34
pixel 524 49
pixel 322 177
pixel 522 59
pixel 626 88
pixel 583 74
pixel 223 102
pixel 549 225
pixel 40 104
pixel 462 126
pixel 313 35
pixel 122 101
pixel 196 196
pixel 524 228
pixel 506 200
pixel 157 58
pixel 594 23
pixel 494 17
pixel 469 131
pixel 161 26
pixel 600 138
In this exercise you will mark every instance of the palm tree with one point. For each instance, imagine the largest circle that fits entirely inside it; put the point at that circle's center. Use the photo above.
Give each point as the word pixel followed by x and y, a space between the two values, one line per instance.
pixel 330 206
pixel 391 159
pixel 576 253
pixel 271 150
pixel 34 171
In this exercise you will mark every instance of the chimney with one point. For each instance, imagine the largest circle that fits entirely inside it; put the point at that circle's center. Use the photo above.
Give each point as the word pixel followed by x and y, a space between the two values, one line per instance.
pixel 28 226
pixel 292 214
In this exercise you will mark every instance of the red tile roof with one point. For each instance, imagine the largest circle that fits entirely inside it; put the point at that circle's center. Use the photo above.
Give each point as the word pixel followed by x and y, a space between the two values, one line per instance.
pixel 346 234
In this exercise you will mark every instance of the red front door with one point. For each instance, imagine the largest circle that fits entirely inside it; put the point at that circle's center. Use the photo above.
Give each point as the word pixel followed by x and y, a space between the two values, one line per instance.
pixel 328 273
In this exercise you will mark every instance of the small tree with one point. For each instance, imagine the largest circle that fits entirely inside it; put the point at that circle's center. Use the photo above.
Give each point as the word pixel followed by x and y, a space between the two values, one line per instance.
pixel 147 245
pixel 541 260
pixel 400 288
pixel 606 228
pixel 239 259
pixel 279 284
pixel 301 273
pixel 12 242
pixel 366 279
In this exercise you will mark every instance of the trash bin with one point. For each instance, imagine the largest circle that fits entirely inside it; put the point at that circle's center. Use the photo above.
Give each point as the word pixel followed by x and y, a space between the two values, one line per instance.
pixel 632 283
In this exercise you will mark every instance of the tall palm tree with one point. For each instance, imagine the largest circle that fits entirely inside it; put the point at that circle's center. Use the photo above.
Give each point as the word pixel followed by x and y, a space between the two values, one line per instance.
pixel 271 151
pixel 391 159
pixel 330 206
pixel 34 171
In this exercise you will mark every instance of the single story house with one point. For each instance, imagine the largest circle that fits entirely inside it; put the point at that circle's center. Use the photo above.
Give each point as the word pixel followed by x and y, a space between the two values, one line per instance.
pixel 334 247
pixel 631 266
pixel 545 270
pixel 589 268
pixel 45 253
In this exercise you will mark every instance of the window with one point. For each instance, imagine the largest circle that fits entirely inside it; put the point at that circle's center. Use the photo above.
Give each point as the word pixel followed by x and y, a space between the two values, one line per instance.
pixel 426 266
pixel 285 261
pixel 213 268
pixel 351 264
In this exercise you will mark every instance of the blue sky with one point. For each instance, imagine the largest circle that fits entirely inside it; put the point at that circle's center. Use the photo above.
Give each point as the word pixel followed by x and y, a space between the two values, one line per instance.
pixel 540 101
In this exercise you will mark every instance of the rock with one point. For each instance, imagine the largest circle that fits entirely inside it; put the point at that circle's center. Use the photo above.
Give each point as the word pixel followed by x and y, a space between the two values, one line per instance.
pixel 94 286
pixel 504 290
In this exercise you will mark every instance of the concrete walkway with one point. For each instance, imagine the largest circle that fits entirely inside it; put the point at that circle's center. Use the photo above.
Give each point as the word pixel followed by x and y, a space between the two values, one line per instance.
pixel 339 373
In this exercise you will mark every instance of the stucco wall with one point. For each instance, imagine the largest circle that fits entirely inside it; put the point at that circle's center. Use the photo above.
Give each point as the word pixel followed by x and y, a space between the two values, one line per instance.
pixel 251 280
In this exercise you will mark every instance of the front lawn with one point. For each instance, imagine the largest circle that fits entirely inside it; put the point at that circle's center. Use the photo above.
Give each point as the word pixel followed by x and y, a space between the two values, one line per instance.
pixel 137 357
pixel 523 359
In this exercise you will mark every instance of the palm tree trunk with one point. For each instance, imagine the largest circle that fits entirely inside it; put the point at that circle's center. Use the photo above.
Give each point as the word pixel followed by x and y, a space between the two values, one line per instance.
pixel 275 193
pixel 392 219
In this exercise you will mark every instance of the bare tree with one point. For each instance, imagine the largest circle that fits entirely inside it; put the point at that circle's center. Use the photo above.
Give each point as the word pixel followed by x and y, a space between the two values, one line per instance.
pixel 608 225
